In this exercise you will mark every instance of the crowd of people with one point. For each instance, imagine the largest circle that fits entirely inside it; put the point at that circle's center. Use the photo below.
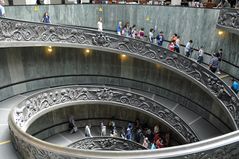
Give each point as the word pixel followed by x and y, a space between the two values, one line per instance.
pixel 173 45
pixel 156 38
pixel 190 3
pixel 150 138
pixel 152 37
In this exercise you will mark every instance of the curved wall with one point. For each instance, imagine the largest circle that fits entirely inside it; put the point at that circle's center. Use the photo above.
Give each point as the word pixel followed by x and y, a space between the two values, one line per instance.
pixel 57 121
pixel 198 24
pixel 20 64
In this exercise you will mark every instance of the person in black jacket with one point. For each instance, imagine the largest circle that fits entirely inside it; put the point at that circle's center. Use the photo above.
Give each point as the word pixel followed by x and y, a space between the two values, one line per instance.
pixel 219 56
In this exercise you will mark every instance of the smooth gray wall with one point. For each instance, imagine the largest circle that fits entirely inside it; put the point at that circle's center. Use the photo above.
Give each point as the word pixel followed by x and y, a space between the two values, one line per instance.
pixel 198 24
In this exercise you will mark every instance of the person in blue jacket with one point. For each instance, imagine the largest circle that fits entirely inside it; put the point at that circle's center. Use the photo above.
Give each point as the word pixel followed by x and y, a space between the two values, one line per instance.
pixel 160 38
pixel 46 18
pixel 235 86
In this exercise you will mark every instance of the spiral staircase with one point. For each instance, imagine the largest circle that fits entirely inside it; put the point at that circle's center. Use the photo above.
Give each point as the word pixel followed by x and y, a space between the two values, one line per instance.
pixel 88 67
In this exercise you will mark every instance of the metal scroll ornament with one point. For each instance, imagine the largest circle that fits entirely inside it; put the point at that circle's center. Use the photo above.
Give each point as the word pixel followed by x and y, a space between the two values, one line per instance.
pixel 40 102
pixel 106 143
pixel 229 19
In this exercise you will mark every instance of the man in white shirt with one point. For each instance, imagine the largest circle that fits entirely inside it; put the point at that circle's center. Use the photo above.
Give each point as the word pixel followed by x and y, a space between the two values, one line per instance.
pixel 103 129
pixel 200 55
pixel 100 24
pixel 87 131
pixel 2 10
pixel 188 48
pixel 151 35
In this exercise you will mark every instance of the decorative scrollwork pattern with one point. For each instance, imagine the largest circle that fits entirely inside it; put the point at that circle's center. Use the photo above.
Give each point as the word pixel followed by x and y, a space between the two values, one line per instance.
pixel 31 151
pixel 42 101
pixel 229 18
pixel 106 143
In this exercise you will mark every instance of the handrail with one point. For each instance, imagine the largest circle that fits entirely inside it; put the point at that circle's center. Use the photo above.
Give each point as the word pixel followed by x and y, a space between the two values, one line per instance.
pixel 106 143
pixel 41 103
pixel 217 147
pixel 228 20
pixel 168 41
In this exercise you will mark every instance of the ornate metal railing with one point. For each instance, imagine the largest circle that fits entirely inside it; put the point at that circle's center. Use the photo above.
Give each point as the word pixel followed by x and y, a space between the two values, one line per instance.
pixel 229 20
pixel 106 143
pixel 21 33
pixel 34 106
pixel 225 147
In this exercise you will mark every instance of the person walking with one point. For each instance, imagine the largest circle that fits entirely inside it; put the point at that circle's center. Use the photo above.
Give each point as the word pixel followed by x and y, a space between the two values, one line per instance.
pixel 102 129
pixel 171 46
pixel 151 35
pixel 100 24
pixel 119 28
pixel 2 9
pixel 141 34
pixel 219 55
pixel 174 37
pixel 87 131
pixel 129 132
pixel 133 31
pixel 72 125
pixel 200 55
pixel 160 38
pixel 146 143
pixel 177 44
pixel 188 48
pixel 213 64
pixel 125 30
pixel 46 18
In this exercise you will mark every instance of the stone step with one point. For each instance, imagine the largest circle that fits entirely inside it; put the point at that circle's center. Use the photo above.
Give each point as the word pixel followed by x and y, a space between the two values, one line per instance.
pixel 204 129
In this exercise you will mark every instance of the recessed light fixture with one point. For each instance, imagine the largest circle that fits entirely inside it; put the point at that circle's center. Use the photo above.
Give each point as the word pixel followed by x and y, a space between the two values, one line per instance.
pixel 220 32
pixel 123 55
pixel 49 49
pixel 87 51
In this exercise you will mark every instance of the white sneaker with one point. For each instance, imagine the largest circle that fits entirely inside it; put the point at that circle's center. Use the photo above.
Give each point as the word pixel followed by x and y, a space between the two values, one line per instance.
pixel 219 72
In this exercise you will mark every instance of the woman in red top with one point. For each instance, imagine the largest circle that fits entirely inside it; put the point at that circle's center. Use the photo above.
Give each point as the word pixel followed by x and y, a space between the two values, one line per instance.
pixel 141 33
pixel 159 143
pixel 171 46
